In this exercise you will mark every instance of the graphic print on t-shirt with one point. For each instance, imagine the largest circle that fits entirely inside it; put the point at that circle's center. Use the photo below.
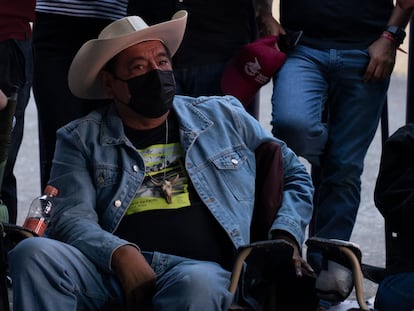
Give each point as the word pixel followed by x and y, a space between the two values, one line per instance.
pixel 161 162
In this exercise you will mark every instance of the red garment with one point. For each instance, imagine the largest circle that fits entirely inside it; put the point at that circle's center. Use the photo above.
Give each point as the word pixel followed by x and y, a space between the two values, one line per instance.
pixel 15 18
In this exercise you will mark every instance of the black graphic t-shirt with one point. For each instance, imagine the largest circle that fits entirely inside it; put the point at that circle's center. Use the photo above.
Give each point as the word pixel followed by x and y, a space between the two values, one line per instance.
pixel 183 226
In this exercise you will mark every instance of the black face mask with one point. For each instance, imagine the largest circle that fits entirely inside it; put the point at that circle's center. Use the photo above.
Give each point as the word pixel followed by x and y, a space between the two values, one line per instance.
pixel 152 93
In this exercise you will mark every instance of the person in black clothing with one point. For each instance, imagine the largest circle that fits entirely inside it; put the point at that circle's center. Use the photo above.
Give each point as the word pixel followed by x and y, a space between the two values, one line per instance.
pixel 16 66
pixel 216 29
pixel 394 198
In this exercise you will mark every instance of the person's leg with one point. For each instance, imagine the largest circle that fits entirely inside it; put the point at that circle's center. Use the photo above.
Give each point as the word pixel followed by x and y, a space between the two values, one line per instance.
pixel 354 111
pixel 50 275
pixel 307 81
pixel 206 80
pixel 56 40
pixel 186 284
pixel 9 187
pixel 202 80
pixel 396 293
pixel 299 96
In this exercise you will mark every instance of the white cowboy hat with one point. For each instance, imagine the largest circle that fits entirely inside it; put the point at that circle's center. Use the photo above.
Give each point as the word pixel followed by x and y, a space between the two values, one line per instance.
pixel 94 54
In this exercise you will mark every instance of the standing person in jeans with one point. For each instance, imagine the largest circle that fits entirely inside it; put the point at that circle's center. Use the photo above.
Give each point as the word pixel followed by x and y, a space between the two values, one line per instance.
pixel 16 63
pixel 216 30
pixel 60 29
pixel 328 97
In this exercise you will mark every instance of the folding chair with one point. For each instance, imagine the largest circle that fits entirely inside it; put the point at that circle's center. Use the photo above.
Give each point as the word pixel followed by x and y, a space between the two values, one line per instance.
pixel 269 190
pixel 280 249
pixel 349 255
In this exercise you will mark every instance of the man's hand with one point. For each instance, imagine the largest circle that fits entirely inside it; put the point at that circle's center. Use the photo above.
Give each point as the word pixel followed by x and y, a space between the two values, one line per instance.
pixel 266 23
pixel 3 100
pixel 301 266
pixel 135 275
pixel 382 54
pixel 268 26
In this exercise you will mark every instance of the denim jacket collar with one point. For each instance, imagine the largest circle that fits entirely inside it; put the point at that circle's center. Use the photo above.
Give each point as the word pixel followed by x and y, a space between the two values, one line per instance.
pixel 113 131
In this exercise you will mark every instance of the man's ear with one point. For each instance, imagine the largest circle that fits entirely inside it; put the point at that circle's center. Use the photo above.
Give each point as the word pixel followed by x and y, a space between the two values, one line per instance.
pixel 107 80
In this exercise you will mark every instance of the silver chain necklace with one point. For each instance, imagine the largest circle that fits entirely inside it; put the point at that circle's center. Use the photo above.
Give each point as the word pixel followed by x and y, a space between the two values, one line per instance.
pixel 166 186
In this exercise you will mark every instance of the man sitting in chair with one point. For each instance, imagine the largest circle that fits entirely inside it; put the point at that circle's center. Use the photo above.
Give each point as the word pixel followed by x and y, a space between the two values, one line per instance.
pixel 155 192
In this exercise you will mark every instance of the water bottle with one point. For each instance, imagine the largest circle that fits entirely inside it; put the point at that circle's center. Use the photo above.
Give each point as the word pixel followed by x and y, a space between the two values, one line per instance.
pixel 38 216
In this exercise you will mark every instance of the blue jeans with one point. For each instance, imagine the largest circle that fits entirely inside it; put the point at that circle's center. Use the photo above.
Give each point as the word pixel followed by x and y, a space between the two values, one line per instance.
pixel 50 275
pixel 396 293
pixel 310 82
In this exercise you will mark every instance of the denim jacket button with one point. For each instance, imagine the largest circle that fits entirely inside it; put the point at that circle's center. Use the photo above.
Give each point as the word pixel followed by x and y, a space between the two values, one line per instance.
pixel 135 168
pixel 234 161
pixel 118 203
pixel 234 232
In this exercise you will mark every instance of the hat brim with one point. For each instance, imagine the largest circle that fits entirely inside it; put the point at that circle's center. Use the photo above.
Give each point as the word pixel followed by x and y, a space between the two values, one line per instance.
pixel 83 77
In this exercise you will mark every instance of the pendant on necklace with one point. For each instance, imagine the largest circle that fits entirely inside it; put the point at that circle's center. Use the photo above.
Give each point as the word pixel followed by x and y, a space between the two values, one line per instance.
pixel 166 187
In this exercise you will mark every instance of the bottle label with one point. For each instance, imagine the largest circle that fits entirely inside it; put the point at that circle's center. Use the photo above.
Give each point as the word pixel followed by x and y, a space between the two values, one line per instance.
pixel 37 225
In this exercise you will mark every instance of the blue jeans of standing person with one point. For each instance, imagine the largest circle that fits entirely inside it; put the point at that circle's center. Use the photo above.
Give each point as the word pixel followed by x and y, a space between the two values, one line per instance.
pixel 60 277
pixel 9 186
pixel 310 84
pixel 396 293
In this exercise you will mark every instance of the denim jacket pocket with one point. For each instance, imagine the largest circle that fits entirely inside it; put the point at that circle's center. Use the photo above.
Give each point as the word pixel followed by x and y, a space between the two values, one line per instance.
pixel 106 175
pixel 235 171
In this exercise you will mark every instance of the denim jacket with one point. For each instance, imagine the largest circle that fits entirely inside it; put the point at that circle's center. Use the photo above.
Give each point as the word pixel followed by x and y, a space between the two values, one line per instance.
pixel 97 172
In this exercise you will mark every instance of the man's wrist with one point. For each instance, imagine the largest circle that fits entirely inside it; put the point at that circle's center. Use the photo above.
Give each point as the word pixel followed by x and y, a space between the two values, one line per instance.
pixel 284 235
pixel 396 33
pixel 386 35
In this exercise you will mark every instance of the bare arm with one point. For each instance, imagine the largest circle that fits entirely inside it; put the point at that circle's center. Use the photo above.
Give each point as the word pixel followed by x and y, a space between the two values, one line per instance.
pixel 266 22
pixel 383 51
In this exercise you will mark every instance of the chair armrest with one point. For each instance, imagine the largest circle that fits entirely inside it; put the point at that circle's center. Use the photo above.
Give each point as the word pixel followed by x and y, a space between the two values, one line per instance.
pixel 267 248
pixel 338 251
